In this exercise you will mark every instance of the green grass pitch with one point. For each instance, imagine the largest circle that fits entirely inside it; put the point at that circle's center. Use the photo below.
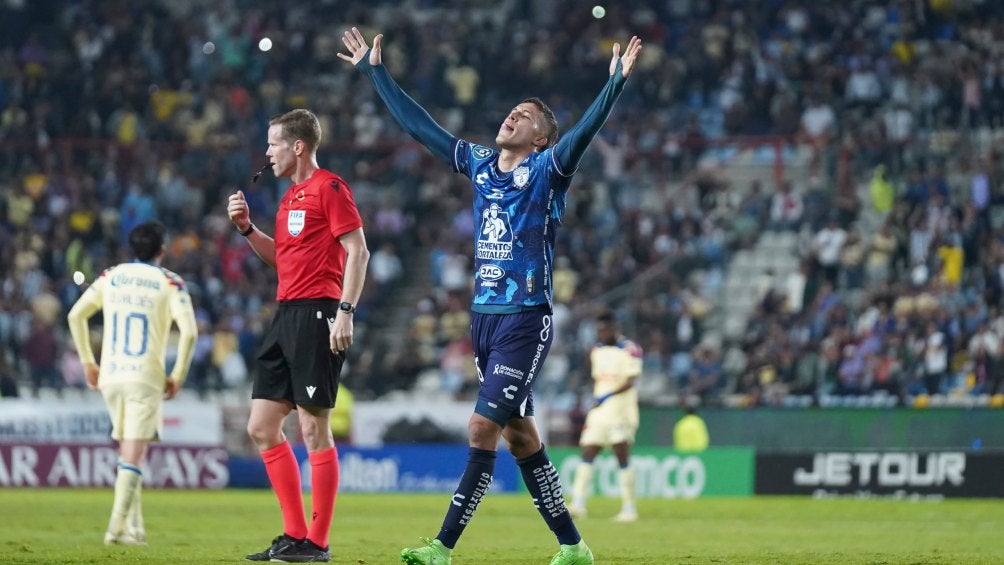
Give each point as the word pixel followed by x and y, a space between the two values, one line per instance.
pixel 66 526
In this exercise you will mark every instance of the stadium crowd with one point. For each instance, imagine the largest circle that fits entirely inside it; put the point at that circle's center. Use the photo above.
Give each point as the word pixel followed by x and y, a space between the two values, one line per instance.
pixel 116 112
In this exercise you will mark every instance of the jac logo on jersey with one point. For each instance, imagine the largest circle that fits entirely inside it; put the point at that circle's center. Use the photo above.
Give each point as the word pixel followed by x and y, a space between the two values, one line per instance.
pixel 295 221
pixel 520 176
pixel 491 272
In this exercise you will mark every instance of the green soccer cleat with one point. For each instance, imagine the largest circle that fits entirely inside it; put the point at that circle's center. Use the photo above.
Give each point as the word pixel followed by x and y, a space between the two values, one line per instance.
pixel 432 553
pixel 578 554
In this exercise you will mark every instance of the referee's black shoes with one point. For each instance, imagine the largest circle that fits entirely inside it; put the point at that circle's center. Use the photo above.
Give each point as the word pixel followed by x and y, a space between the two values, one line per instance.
pixel 280 545
pixel 304 551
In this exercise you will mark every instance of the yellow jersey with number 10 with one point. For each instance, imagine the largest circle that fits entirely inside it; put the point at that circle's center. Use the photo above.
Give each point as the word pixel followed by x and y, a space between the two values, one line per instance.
pixel 140 301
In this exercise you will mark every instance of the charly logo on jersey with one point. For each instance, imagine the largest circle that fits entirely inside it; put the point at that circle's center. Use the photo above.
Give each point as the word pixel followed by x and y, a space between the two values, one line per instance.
pixel 295 221
pixel 490 274
pixel 520 176
pixel 495 235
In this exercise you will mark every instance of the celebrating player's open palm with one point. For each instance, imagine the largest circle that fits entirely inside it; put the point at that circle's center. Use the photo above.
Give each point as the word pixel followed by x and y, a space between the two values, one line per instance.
pixel 627 61
pixel 357 46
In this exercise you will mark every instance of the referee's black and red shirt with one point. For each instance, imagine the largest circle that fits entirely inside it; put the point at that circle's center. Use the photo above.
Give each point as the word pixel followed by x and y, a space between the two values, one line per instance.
pixel 312 216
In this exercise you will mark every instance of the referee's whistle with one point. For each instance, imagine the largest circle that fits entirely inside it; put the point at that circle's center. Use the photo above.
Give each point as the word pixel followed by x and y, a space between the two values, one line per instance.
pixel 260 171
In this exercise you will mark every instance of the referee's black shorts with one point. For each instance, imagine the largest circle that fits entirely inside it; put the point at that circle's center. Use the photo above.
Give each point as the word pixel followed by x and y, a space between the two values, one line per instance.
pixel 295 361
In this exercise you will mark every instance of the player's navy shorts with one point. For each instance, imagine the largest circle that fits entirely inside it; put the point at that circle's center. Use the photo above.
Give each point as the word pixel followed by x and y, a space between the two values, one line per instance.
pixel 295 362
pixel 509 350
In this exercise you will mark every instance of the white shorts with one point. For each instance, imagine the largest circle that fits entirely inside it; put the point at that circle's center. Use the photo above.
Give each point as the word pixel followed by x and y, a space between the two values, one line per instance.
pixel 604 432
pixel 135 410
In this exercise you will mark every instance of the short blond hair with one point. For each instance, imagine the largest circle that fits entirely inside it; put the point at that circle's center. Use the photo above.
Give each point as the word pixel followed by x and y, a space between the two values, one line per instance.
pixel 299 124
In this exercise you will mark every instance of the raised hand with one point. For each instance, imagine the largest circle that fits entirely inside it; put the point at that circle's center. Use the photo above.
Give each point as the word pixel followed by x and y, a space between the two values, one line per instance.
pixel 357 46
pixel 628 60
pixel 237 209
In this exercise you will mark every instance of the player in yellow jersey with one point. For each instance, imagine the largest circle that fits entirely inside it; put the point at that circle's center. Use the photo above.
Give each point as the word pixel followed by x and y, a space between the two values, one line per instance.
pixel 140 300
pixel 615 364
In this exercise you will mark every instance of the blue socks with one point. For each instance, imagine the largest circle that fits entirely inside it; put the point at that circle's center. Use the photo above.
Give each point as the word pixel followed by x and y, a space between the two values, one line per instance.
pixel 542 480
pixel 472 488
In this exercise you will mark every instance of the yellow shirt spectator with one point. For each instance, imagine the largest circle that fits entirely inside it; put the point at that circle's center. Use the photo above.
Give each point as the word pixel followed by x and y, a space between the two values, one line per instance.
pixel 341 414
pixel 952 258
pixel 690 433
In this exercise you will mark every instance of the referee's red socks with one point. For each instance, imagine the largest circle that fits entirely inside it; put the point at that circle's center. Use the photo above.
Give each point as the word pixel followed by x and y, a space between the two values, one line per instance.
pixel 284 474
pixel 324 485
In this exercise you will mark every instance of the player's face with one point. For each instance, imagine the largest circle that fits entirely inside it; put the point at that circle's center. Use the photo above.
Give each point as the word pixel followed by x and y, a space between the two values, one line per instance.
pixel 280 153
pixel 605 332
pixel 521 129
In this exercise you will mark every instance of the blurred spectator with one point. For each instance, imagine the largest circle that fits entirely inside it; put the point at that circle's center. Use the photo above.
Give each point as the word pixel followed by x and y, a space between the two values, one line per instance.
pixel 385 266
pixel 985 351
pixel 826 247
pixel 72 369
pixel 796 286
pixel 852 258
pixel 705 378
pixel 341 415
pixel 817 129
pixel 786 208
pixel 565 280
pixel 457 370
pixel 935 359
pixel 41 351
pixel 883 193
pixel 8 379
pixel 879 259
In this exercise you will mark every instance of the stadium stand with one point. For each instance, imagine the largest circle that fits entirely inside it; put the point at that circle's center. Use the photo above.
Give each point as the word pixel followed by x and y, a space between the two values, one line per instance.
pixel 795 203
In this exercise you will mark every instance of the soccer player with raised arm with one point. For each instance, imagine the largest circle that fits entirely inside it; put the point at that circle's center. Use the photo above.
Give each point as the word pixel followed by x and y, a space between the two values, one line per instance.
pixel 320 256
pixel 140 301
pixel 519 194
pixel 614 363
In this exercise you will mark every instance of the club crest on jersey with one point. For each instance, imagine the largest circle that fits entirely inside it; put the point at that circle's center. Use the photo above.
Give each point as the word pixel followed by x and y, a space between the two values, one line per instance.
pixel 295 221
pixel 520 176
pixel 495 235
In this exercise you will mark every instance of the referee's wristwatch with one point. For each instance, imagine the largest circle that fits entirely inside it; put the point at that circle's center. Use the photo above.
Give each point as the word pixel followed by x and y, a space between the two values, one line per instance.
pixel 347 307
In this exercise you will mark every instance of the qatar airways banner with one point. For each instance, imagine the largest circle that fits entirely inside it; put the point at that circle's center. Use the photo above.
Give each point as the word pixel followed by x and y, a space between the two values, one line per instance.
pixel 77 465
pixel 186 422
